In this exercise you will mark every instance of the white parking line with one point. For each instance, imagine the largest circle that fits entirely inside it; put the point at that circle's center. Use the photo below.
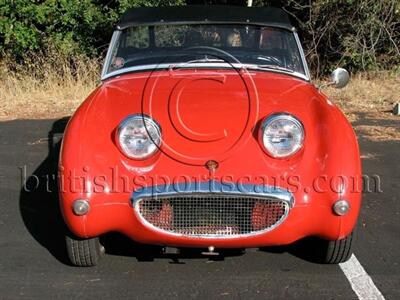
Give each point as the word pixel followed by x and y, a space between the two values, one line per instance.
pixel 360 281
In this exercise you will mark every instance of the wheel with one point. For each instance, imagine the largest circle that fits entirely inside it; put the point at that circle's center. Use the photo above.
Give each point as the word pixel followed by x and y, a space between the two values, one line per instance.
pixel 335 252
pixel 84 252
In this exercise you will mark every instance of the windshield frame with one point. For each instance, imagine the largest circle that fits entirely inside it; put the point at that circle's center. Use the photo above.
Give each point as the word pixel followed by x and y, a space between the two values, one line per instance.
pixel 116 35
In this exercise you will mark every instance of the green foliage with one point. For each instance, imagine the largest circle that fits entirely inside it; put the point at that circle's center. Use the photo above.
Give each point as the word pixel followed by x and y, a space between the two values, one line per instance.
pixel 357 34
pixel 71 26
pixel 361 35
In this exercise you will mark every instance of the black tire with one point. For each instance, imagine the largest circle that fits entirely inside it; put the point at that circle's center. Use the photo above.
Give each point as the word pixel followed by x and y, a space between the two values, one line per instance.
pixel 335 252
pixel 84 252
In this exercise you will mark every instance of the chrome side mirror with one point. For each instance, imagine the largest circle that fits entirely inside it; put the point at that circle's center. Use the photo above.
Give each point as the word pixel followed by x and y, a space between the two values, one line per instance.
pixel 340 78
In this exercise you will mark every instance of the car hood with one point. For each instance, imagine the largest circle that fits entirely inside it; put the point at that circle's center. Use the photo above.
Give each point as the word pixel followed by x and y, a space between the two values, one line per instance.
pixel 204 114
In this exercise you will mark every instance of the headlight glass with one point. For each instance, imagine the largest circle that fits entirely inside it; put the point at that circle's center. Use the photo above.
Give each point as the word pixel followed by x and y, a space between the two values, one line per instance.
pixel 139 136
pixel 282 135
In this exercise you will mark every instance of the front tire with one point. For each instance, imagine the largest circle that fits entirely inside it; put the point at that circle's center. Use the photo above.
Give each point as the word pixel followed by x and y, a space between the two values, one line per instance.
pixel 84 252
pixel 335 252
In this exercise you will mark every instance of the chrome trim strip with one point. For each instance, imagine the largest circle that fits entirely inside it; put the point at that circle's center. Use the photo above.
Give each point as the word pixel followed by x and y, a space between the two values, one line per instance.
pixel 212 187
pixel 154 67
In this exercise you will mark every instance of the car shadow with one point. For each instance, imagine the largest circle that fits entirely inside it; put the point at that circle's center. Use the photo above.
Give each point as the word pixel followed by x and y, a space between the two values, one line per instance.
pixel 40 212
pixel 117 244
pixel 308 249
pixel 38 201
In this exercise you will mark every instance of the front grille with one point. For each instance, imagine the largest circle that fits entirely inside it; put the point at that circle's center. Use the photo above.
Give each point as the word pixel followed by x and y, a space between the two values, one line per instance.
pixel 212 215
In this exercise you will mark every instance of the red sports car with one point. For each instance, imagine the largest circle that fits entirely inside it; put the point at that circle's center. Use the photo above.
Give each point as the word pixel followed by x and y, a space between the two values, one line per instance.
pixel 207 132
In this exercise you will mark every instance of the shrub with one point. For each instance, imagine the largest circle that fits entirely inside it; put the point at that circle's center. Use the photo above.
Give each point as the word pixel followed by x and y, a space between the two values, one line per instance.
pixel 71 26
pixel 360 35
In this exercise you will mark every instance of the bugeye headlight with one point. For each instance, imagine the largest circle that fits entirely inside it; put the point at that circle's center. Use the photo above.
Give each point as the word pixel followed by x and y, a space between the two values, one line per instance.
pixel 139 136
pixel 282 135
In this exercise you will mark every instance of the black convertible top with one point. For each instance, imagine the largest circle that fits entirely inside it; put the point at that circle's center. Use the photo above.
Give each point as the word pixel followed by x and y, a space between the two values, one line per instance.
pixel 204 14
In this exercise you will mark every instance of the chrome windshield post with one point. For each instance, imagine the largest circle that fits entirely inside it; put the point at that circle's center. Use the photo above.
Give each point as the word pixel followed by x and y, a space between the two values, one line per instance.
pixel 302 55
pixel 111 47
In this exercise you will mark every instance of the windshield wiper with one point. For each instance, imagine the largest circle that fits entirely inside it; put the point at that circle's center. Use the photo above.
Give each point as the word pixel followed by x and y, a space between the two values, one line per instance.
pixel 273 67
pixel 196 61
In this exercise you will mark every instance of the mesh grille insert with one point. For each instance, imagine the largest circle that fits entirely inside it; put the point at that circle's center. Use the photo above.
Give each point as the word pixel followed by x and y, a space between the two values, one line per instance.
pixel 212 215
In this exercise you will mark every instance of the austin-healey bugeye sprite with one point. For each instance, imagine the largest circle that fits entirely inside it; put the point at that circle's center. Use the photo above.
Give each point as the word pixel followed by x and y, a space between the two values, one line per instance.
pixel 206 132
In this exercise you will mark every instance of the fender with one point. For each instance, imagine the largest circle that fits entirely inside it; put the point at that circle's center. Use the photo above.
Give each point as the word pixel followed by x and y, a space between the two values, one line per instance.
pixel 93 168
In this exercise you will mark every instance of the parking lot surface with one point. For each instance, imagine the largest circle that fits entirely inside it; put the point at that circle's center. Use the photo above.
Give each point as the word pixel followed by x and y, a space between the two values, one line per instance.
pixel 33 261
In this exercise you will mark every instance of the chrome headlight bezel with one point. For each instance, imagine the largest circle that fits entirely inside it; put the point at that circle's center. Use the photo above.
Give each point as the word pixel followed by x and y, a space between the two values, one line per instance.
pixel 148 123
pixel 271 119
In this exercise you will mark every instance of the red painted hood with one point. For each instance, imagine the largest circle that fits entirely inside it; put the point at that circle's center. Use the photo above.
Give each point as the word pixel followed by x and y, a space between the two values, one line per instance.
pixel 204 114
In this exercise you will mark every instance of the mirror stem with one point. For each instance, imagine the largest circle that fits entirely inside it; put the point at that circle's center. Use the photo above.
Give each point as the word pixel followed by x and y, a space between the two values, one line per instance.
pixel 325 85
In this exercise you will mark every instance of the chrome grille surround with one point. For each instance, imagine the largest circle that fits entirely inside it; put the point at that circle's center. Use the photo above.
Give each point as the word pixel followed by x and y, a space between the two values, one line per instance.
pixel 212 213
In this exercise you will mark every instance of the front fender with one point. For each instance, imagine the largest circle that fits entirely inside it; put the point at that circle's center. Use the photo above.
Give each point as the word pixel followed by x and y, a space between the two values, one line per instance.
pixel 327 169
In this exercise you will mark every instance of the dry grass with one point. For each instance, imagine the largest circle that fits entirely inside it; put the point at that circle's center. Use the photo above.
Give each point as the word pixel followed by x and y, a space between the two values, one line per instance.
pixel 368 102
pixel 368 92
pixel 45 88
pixel 54 87
pixel 378 133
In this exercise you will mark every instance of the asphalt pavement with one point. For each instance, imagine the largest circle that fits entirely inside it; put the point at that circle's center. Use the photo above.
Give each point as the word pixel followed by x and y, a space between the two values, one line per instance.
pixel 33 262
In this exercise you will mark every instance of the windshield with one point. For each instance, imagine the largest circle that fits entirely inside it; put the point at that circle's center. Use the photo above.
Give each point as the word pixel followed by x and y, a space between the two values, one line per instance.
pixel 166 46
